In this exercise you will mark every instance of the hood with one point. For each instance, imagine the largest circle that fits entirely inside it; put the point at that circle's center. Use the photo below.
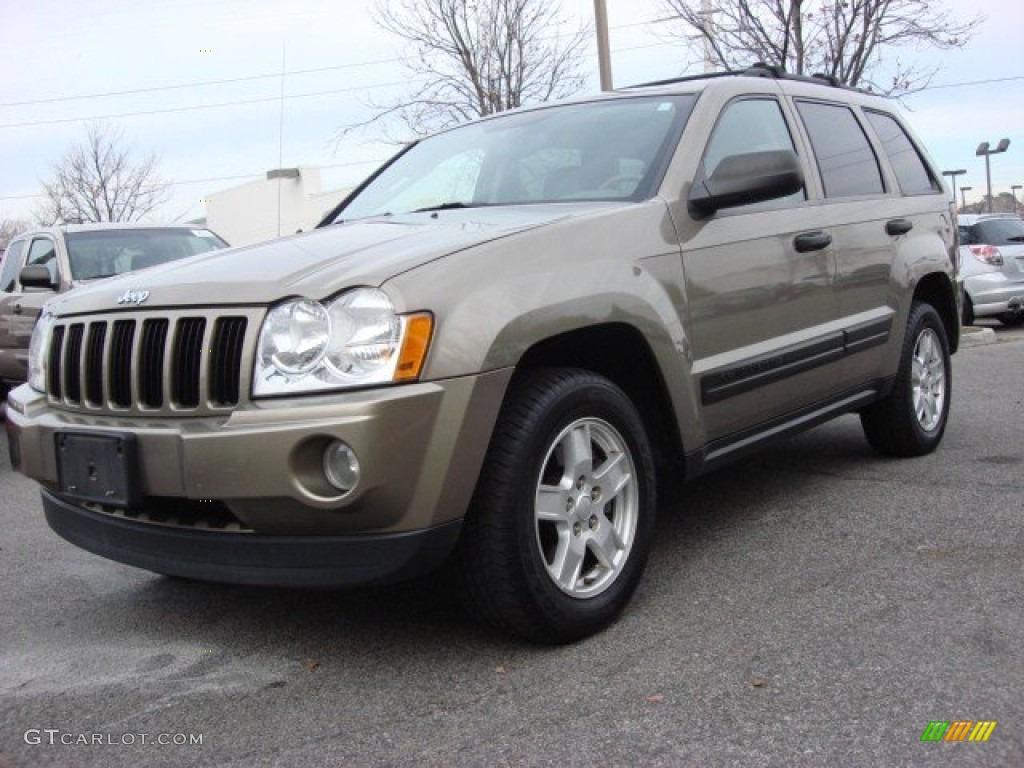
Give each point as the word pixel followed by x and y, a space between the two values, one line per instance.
pixel 316 264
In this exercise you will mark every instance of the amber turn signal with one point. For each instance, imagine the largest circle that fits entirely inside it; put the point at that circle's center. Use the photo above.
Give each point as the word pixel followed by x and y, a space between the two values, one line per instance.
pixel 418 328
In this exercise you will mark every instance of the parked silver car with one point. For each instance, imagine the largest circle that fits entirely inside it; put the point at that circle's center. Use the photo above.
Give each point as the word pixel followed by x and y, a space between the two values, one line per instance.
pixel 992 263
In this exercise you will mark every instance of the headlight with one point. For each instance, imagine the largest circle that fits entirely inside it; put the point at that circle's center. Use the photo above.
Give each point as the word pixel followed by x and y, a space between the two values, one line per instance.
pixel 39 352
pixel 354 340
pixel 295 336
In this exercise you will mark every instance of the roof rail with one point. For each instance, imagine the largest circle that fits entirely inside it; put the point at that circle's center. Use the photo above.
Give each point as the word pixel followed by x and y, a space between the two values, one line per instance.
pixel 758 69
pixel 685 79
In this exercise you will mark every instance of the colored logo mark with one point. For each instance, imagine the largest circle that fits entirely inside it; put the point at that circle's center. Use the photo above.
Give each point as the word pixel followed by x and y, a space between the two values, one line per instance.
pixel 958 730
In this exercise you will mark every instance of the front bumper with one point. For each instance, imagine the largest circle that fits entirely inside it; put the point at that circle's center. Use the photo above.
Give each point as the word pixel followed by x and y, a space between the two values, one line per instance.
pixel 241 558
pixel 420 449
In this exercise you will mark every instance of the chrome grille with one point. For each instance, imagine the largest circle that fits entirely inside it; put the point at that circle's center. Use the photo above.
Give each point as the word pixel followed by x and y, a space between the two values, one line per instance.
pixel 157 363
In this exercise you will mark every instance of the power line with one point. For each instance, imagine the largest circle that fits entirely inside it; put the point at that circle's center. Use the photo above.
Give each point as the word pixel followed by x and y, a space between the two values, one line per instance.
pixel 243 79
pixel 218 105
pixel 990 81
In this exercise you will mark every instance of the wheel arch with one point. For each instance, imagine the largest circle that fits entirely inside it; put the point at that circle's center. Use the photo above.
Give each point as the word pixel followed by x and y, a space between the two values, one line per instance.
pixel 936 289
pixel 620 353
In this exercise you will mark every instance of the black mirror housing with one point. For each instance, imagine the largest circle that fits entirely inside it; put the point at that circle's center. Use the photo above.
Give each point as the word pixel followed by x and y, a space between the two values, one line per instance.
pixel 37 276
pixel 752 177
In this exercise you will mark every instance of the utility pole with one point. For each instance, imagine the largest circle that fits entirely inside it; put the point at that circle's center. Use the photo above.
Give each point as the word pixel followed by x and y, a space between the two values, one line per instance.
pixel 1013 191
pixel 604 58
pixel 706 12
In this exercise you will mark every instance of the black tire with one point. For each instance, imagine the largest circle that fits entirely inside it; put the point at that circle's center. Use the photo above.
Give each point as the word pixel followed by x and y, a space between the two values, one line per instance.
pixel 506 549
pixel 911 420
pixel 968 315
pixel 1012 319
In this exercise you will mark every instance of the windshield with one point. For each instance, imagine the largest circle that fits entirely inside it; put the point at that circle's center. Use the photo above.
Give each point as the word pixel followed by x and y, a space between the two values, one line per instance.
pixel 109 252
pixel 607 150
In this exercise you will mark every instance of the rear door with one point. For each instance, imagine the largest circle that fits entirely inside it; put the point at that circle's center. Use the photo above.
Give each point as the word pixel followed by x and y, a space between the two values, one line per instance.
pixel 14 258
pixel 880 205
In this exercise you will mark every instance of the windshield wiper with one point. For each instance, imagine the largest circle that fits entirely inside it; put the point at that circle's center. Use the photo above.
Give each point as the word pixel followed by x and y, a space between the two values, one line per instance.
pixel 384 215
pixel 446 207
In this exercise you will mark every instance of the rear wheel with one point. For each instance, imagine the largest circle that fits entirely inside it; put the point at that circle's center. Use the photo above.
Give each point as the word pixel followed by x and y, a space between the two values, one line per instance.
pixel 910 421
pixel 560 526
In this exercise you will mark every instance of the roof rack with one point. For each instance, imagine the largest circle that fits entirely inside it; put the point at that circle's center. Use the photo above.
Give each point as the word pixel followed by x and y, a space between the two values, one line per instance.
pixel 759 69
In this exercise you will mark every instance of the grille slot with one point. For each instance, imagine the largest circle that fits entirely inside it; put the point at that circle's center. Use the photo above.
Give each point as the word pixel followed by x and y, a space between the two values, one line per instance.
pixel 94 363
pixel 120 371
pixel 188 358
pixel 53 368
pixel 73 363
pixel 168 363
pixel 225 356
pixel 151 362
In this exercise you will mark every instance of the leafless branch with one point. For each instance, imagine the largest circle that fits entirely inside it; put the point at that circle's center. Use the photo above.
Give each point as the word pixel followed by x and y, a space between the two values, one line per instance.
pixel 849 39
pixel 472 58
pixel 98 181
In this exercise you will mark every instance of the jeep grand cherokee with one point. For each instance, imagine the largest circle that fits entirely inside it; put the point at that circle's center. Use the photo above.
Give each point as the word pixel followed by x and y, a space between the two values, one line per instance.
pixel 485 354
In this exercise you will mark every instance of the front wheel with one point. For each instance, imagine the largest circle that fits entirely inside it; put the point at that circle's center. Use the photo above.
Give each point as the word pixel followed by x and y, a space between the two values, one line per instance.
pixel 560 525
pixel 910 421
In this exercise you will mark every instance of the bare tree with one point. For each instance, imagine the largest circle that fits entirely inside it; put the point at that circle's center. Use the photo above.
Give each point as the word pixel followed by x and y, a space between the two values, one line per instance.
pixel 851 40
pixel 98 180
pixel 470 58
pixel 10 229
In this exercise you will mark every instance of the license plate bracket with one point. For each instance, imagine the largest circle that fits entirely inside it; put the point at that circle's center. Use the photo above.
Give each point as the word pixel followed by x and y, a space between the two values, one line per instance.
pixel 99 467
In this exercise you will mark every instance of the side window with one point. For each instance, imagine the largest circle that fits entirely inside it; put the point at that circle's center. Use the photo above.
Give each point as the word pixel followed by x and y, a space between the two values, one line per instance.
pixel 12 264
pixel 846 161
pixel 43 251
pixel 750 125
pixel 911 172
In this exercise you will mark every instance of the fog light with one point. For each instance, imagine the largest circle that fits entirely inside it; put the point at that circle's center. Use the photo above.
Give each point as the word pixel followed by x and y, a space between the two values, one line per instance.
pixel 341 466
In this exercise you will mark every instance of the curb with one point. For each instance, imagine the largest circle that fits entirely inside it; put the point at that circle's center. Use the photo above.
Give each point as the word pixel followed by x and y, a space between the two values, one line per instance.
pixel 973 336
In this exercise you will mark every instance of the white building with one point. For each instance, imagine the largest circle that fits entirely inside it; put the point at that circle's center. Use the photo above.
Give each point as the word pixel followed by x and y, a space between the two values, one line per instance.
pixel 286 201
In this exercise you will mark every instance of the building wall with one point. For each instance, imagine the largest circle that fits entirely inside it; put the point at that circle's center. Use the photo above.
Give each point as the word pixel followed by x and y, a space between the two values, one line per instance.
pixel 268 208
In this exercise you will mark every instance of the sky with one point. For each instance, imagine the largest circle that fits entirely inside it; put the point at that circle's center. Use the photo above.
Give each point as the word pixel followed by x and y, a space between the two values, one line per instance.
pixel 199 84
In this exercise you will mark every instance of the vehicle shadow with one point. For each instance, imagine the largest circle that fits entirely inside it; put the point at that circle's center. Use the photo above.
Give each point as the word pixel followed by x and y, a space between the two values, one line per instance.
pixel 426 612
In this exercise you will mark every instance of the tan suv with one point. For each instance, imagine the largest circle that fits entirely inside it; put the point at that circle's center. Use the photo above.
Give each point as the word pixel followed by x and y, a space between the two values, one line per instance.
pixel 487 352
pixel 48 260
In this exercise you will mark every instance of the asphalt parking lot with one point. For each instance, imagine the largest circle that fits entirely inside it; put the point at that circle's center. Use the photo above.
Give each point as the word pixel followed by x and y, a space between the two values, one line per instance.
pixel 816 606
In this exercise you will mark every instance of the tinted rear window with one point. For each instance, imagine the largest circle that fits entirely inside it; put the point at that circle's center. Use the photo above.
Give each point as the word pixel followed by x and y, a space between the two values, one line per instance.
pixel 847 163
pixel 911 172
pixel 998 232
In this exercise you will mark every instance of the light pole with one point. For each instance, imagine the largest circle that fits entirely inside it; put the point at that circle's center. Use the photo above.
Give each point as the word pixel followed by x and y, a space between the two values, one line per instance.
pixel 983 150
pixel 1013 191
pixel 963 197
pixel 952 179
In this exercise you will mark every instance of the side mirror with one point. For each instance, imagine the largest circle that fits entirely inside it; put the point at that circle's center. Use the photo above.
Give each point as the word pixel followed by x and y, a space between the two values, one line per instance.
pixel 37 276
pixel 753 177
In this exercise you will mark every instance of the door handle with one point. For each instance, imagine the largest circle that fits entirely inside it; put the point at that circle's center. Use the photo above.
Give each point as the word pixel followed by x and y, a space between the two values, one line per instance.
pixel 16 309
pixel 898 227
pixel 812 241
